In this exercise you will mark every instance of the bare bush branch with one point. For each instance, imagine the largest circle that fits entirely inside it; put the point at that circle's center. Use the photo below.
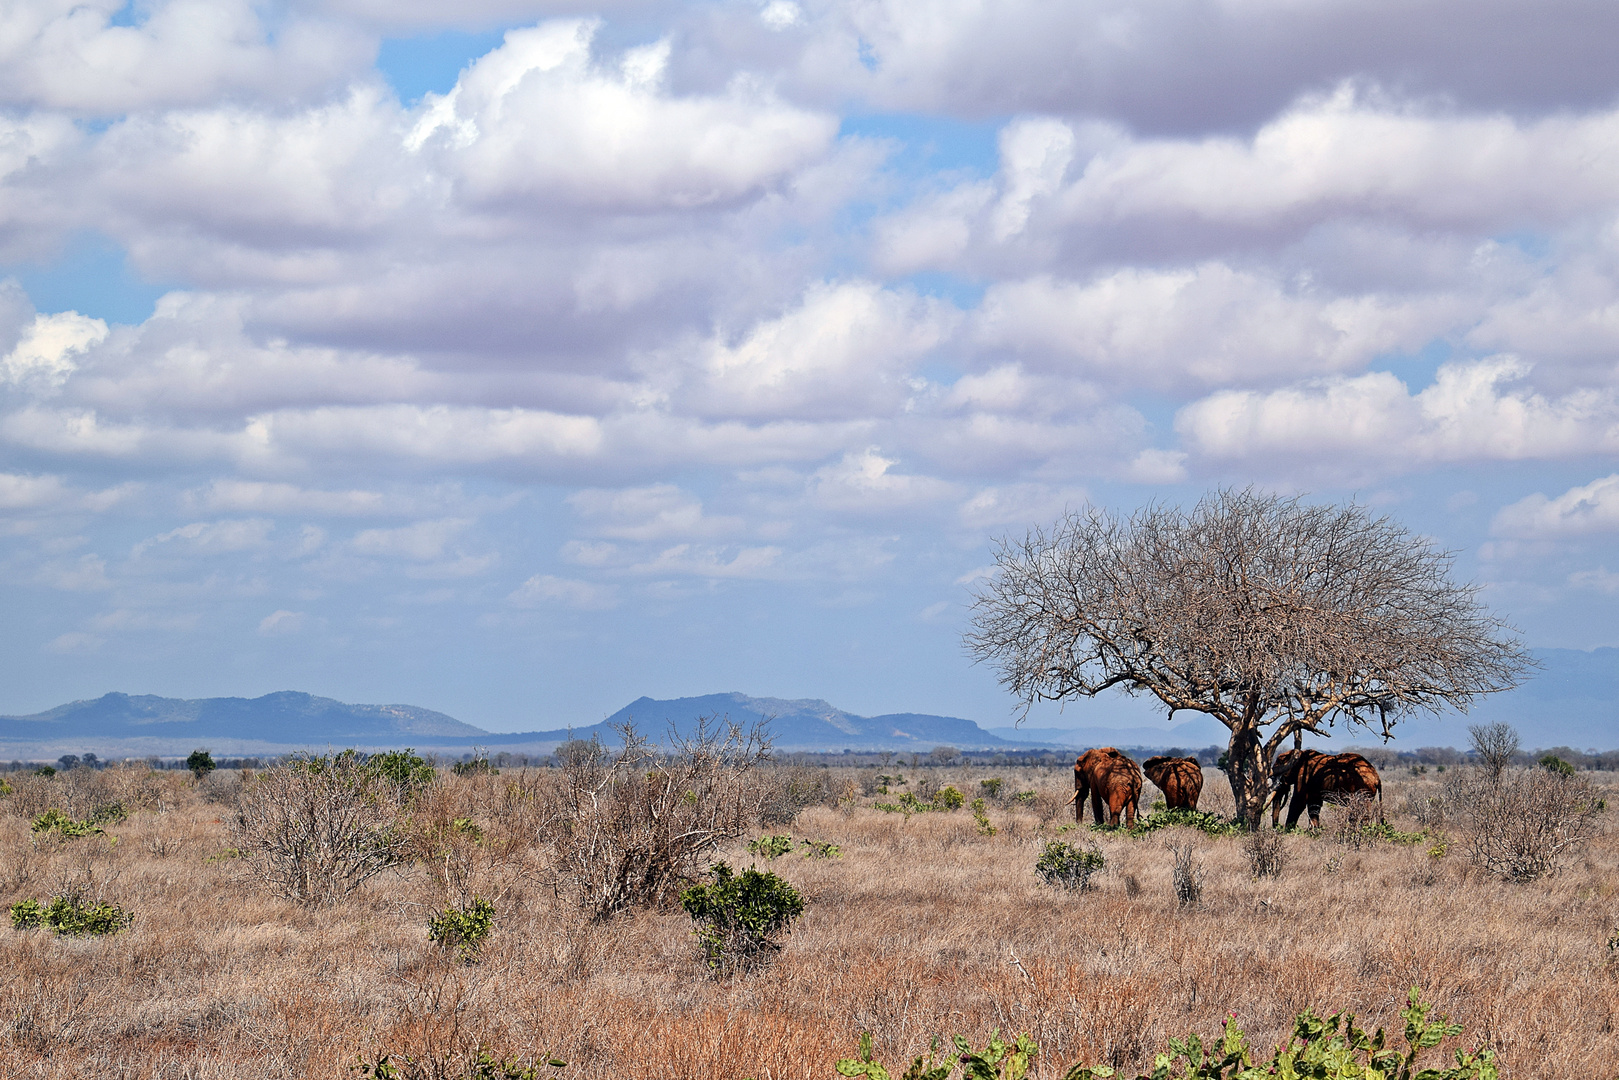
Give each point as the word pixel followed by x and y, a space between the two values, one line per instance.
pixel 633 826
pixel 1495 745
pixel 1521 822
pixel 315 830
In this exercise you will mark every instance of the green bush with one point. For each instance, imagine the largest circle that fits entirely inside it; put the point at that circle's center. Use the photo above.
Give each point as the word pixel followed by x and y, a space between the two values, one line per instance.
pixel 981 817
pixel 991 787
pixel 47 771
pixel 404 768
pixel 200 762
pixel 1554 764
pixel 1330 1049
pixel 1212 824
pixel 1000 1060
pixel 70 915
pixel 53 820
pixel 771 847
pixel 1067 865
pixel 477 766
pixel 821 849
pixel 949 798
pixel 463 928
pixel 740 917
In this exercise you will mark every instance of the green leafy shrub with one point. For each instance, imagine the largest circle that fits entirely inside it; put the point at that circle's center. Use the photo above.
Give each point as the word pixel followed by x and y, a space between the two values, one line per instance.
pixel 739 918
pixel 821 849
pixel 403 768
pixel 1330 1049
pixel 474 766
pixel 46 771
pixel 1067 865
pixel 991 788
pixel 1554 764
pixel 999 1060
pixel 70 915
pixel 463 928
pixel 1212 824
pixel 53 820
pixel 200 762
pixel 981 817
pixel 1025 798
pixel 771 847
pixel 949 798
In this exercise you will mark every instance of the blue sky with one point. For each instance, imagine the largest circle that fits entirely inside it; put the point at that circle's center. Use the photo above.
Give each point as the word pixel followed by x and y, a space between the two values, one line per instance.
pixel 518 360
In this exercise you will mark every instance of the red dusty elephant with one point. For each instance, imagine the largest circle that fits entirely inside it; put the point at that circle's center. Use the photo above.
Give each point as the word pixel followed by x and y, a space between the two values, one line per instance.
pixel 1107 776
pixel 1179 778
pixel 1316 778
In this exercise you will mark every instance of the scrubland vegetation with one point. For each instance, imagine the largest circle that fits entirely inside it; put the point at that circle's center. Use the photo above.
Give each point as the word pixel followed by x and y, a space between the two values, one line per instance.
pixel 483 923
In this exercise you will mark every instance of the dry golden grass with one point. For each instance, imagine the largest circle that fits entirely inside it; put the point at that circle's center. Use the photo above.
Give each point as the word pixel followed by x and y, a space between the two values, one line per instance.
pixel 924 927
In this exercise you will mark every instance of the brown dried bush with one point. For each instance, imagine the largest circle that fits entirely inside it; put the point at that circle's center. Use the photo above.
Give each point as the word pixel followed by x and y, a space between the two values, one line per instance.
pixel 315 830
pixel 629 828
pixel 1521 823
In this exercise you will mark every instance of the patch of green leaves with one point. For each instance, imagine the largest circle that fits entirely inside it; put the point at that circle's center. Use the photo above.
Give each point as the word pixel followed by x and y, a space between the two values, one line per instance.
pixel 1212 824
pixel 1334 1048
pixel 998 1060
pixel 54 821
pixel 739 918
pixel 1068 865
pixel 70 915
pixel 463 928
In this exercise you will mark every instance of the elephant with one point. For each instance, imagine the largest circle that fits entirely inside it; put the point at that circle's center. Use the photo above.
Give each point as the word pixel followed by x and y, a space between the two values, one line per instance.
pixel 1107 776
pixel 1316 778
pixel 1179 778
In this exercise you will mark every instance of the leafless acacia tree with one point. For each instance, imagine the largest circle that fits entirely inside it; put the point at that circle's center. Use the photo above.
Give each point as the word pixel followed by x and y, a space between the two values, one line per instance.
pixel 1272 615
pixel 1495 745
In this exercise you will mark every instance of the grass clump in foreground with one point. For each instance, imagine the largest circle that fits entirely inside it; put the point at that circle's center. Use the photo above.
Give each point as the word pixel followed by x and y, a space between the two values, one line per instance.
pixel 1330 1049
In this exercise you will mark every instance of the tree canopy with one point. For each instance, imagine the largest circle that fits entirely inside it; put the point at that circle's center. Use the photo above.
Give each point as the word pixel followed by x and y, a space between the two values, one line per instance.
pixel 1273 615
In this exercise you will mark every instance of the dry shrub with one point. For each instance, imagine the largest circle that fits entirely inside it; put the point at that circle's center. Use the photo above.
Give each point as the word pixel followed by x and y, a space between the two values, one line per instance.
pixel 789 790
pixel 1519 825
pixel 315 830
pixel 1265 853
pixel 630 828
pixel 1187 875
pixel 1354 815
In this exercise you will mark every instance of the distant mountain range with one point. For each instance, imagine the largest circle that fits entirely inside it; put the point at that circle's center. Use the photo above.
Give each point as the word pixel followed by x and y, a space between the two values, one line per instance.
pixel 1572 701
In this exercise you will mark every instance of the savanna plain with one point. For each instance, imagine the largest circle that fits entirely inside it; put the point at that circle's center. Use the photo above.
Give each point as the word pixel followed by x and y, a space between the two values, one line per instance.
pixel 916 924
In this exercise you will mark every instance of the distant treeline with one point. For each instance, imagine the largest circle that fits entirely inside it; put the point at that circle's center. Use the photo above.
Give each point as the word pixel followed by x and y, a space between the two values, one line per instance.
pixel 938 757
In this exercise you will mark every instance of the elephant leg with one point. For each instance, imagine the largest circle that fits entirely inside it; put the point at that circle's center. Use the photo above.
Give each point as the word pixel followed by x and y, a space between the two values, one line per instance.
pixel 1096 805
pixel 1295 808
pixel 1079 804
pixel 1315 815
pixel 1130 811
pixel 1276 802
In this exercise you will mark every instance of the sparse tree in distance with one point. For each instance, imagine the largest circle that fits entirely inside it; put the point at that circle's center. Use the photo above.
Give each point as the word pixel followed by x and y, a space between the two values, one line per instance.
pixel 201 763
pixel 1494 744
pixel 1274 616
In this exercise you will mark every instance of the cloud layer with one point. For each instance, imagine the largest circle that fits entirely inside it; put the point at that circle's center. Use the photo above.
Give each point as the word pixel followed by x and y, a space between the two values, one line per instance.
pixel 628 316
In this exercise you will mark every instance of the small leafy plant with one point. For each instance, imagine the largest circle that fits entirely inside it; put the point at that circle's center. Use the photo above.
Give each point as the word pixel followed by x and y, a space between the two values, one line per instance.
pixel 771 847
pixel 820 849
pixel 201 763
pixel 1330 1049
pixel 981 817
pixel 70 915
pixel 1068 865
pixel 1212 824
pixel 53 820
pixel 463 928
pixel 949 798
pixel 999 1060
pixel 739 918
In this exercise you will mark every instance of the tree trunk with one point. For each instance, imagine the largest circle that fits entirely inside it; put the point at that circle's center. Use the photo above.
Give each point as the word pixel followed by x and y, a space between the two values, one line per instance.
pixel 1248 766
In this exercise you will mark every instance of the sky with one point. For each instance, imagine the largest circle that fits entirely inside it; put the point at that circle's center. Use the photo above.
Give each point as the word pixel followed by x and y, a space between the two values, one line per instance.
pixel 517 359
